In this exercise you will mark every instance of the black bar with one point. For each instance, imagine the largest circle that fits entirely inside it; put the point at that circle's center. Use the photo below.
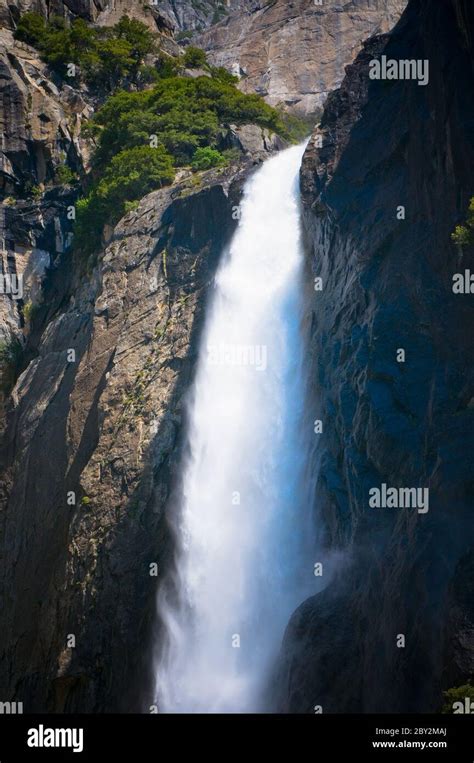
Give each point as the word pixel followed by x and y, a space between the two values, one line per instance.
pixel 143 738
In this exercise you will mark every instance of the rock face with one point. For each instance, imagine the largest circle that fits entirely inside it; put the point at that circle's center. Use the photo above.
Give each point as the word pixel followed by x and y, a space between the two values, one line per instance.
pixel 387 285
pixel 254 141
pixel 90 449
pixel 40 123
pixel 196 15
pixel 102 12
pixel 41 132
pixel 10 10
pixel 168 15
pixel 294 53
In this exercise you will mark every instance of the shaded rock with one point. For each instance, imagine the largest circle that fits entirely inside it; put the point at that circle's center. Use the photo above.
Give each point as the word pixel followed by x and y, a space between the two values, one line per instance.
pixel 254 140
pixel 41 124
pixel 387 284
pixel 459 618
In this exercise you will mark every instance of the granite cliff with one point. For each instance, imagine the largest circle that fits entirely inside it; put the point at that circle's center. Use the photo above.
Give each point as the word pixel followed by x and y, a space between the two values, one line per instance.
pixel 168 15
pixel 385 178
pixel 294 53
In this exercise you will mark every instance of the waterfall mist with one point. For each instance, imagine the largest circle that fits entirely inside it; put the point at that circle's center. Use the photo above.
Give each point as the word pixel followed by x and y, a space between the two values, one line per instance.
pixel 244 546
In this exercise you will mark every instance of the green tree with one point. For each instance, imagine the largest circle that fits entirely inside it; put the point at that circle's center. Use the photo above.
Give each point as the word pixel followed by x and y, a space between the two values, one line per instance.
pixel 130 175
pixel 105 57
pixel 194 58
pixel 141 39
pixel 205 158
pixel 185 114
pixel 116 63
pixel 31 28
pixel 133 173
pixel 464 234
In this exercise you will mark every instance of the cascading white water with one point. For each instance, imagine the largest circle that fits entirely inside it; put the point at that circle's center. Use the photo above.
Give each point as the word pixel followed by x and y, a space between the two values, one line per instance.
pixel 241 564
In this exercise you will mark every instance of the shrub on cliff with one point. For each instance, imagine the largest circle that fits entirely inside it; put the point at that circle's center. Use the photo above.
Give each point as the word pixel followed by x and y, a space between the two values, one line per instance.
pixel 105 57
pixel 31 29
pixel 194 58
pixel 205 158
pixel 464 234
pixel 130 175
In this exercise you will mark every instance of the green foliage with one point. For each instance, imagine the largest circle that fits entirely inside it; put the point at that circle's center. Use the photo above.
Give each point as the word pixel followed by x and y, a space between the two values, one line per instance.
pixel 11 358
pixel 140 38
pixel 457 694
pixel 194 58
pixel 147 75
pixel 130 206
pixel 106 57
pixel 464 234
pixel 31 29
pixel 131 174
pixel 64 175
pixel 184 114
pixel 167 66
pixel 205 158
pixel 218 15
pixel 29 310
pixel 222 75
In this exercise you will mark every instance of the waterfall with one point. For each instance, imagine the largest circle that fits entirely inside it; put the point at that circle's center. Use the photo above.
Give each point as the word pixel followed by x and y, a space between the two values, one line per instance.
pixel 242 559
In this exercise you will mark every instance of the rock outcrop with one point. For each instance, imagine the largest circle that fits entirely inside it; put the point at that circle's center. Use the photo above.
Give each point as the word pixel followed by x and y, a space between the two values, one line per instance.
pixel 168 16
pixel 102 12
pixel 41 133
pixel 186 15
pixel 40 122
pixel 294 53
pixel 381 198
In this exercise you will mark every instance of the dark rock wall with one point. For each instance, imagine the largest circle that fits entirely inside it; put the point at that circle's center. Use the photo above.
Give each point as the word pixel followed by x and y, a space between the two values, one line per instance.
pixel 387 284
